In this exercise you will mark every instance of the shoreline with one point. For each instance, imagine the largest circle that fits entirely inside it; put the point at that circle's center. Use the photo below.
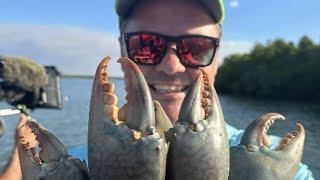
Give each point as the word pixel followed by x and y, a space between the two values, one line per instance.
pixel 85 76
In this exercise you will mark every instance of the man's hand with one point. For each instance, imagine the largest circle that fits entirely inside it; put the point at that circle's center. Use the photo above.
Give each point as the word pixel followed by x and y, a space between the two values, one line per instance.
pixel 12 170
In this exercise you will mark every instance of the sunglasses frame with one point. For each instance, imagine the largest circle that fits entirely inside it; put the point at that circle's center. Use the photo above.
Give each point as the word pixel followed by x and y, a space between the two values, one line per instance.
pixel 167 39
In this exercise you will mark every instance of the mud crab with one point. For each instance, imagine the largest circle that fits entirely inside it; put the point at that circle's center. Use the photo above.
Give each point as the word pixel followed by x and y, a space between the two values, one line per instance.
pixel 138 140
pixel 252 159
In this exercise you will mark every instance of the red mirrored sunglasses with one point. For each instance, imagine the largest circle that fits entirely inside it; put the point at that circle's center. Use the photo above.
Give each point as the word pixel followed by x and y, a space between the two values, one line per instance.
pixel 149 48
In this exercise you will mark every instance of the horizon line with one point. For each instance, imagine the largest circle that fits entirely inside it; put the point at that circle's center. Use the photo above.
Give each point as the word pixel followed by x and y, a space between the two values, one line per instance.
pixel 76 75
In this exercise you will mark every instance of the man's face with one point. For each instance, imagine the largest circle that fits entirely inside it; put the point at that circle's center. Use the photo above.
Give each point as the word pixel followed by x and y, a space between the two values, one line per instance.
pixel 169 80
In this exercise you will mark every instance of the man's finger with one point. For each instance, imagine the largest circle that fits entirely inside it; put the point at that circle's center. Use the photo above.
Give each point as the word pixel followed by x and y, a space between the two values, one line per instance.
pixel 22 120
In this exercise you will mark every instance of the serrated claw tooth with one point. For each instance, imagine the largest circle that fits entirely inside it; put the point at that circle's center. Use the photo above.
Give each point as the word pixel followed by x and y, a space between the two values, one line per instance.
pixel 289 135
pixel 23 141
pixel 111 111
pixel 266 141
pixel 108 87
pixel 289 138
pixel 256 132
pixel 110 99
pixel 205 94
pixel 123 115
pixel 206 102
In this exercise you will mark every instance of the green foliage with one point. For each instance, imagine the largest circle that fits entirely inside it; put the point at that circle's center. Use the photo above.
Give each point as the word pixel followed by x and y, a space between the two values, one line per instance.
pixel 278 69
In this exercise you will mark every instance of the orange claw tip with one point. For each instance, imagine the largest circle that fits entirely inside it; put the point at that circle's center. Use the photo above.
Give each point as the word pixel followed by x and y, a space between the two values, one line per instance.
pixel 125 62
pixel 298 124
pixel 108 87
pixel 106 59
pixel 204 73
pixel 101 72
pixel 103 63
pixel 123 59
pixel 156 103
pixel 110 99
pixel 299 127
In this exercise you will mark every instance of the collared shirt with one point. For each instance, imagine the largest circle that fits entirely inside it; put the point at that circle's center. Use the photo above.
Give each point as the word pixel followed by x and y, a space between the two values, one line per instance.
pixel 234 136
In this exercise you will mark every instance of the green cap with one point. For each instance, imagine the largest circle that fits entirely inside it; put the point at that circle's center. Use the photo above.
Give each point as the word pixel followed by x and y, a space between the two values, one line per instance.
pixel 215 8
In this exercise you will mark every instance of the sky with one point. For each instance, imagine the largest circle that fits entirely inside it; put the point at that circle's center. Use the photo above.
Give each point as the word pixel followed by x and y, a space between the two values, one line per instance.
pixel 75 35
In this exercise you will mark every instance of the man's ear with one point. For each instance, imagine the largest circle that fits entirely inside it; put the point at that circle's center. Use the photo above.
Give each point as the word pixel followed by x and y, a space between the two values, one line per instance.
pixel 122 47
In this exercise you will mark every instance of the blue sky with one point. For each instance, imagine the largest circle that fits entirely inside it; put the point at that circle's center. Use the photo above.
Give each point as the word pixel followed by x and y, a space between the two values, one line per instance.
pixel 75 35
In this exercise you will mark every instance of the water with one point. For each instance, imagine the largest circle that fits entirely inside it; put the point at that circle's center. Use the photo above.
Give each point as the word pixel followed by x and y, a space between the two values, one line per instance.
pixel 70 124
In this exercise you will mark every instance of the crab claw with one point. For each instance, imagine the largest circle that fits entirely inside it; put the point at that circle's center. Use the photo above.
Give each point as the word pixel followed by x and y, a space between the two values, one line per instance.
pixel 51 147
pixel 52 162
pixel 252 159
pixel 256 132
pixel 140 109
pixel 199 137
pixel 163 123
pixel 2 128
pixel 125 143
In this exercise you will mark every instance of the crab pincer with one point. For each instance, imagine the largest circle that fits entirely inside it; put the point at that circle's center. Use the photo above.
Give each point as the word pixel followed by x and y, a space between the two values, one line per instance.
pixel 198 142
pixel 125 143
pixel 43 156
pixel 252 158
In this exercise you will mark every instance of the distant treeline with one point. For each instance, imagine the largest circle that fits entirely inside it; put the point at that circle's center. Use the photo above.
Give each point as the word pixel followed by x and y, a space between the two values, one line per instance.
pixel 278 69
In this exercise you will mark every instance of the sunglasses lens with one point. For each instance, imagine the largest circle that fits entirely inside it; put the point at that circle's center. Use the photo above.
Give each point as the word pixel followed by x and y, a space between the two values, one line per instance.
pixel 145 48
pixel 196 52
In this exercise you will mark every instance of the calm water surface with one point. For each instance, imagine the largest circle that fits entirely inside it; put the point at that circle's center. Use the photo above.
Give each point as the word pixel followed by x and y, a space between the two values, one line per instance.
pixel 70 124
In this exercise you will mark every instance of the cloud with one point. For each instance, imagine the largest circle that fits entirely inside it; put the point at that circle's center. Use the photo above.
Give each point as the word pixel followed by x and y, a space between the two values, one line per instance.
pixel 234 47
pixel 71 49
pixel 234 3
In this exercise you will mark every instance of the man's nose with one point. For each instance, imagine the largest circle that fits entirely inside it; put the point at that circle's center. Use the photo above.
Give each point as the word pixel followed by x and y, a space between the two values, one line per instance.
pixel 170 64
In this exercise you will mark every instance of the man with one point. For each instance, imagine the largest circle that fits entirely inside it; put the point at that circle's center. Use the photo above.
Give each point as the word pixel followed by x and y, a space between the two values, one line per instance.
pixel 168 69
pixel 149 31
pixel 172 71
